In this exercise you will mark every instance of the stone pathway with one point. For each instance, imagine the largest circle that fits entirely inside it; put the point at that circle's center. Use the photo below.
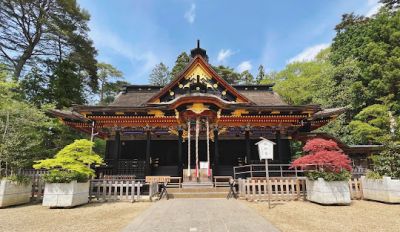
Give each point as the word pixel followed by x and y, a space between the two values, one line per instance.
pixel 198 215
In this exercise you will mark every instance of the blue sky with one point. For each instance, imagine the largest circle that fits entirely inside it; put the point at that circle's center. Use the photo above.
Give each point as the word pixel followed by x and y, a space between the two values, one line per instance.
pixel 136 35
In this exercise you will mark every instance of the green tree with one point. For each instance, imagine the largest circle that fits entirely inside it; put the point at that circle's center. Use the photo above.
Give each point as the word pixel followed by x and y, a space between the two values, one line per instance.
pixel 24 130
pixel 66 86
pixel 227 73
pixel 111 90
pixel 180 63
pixel 305 82
pixel 105 72
pixel 374 45
pixel 261 74
pixel 160 75
pixel 373 124
pixel 75 158
pixel 247 78
pixel 34 32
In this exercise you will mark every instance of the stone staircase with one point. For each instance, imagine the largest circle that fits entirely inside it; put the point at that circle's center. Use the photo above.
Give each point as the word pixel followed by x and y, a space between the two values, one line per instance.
pixel 200 191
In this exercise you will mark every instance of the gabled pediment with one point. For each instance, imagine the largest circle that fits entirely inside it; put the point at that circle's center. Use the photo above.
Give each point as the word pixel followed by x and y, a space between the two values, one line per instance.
pixel 198 77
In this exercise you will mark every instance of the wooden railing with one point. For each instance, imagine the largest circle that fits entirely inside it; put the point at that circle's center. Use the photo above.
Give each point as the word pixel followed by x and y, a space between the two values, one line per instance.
pixel 258 170
pixel 37 182
pixel 109 189
pixel 282 188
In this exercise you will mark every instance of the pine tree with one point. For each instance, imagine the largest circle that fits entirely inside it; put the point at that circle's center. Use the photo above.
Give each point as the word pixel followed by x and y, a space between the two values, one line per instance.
pixel 160 75
pixel 105 72
pixel 247 78
pixel 261 74
pixel 180 63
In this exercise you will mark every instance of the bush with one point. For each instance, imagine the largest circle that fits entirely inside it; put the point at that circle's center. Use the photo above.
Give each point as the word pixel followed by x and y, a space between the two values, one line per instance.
pixel 71 163
pixel 325 160
pixel 19 179
pixel 329 176
pixel 59 176
pixel 373 175
pixel 387 163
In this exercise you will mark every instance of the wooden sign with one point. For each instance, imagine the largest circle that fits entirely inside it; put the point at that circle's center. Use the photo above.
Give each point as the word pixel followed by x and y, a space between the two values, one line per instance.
pixel 265 149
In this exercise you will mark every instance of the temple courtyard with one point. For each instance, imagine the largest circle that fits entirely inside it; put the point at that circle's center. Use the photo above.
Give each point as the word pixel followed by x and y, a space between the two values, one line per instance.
pixel 204 215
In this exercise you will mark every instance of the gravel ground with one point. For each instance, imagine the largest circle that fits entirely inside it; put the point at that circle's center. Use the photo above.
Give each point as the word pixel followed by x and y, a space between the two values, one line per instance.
pixel 97 217
pixel 310 217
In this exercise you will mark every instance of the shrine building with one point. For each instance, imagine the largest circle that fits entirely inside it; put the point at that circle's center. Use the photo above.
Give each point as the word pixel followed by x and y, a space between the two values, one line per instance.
pixel 197 125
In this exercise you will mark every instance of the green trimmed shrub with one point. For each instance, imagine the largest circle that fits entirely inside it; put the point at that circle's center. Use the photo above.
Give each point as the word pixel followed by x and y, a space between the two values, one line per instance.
pixel 71 163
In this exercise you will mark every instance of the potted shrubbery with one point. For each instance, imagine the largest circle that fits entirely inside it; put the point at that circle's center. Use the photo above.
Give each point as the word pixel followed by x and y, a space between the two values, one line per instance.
pixel 327 170
pixel 15 190
pixel 383 183
pixel 67 183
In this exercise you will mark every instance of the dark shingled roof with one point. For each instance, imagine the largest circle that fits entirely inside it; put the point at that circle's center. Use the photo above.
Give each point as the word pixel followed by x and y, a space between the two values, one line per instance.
pixel 138 95
pixel 135 95
pixel 263 98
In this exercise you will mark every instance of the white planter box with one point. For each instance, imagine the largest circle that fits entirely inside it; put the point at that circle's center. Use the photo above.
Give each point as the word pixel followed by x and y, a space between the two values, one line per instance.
pixel 66 194
pixel 385 189
pixel 328 192
pixel 12 193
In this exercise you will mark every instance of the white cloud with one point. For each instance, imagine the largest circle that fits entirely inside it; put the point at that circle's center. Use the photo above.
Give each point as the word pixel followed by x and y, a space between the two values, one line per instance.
pixel 224 54
pixel 373 7
pixel 143 59
pixel 309 53
pixel 190 15
pixel 245 65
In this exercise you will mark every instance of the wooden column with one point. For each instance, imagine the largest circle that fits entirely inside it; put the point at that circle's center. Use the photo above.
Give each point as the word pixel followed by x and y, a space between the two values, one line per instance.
pixel 180 164
pixel 117 152
pixel 248 148
pixel 147 170
pixel 216 152
pixel 279 156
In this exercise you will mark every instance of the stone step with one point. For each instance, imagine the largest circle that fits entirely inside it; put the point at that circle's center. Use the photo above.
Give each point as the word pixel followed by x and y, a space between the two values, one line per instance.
pixel 198 195
pixel 198 190
pixel 197 185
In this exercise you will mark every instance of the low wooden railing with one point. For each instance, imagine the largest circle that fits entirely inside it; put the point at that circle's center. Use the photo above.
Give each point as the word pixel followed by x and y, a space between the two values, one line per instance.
pixel 282 188
pixel 122 190
pixel 258 170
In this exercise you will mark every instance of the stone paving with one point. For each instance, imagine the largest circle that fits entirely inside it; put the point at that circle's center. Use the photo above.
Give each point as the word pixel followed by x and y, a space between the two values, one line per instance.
pixel 198 215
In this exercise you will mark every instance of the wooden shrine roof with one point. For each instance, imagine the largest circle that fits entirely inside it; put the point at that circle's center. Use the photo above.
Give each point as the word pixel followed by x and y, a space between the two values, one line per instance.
pixel 138 95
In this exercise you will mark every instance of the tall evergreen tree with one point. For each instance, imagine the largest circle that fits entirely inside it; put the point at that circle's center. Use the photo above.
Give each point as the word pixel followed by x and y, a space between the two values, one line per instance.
pixel 105 72
pixel 260 74
pixel 160 75
pixel 36 32
pixel 228 74
pixel 180 63
pixel 111 90
pixel 246 78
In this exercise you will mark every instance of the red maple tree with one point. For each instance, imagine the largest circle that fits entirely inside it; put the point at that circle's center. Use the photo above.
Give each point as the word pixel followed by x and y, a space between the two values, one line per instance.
pixel 323 155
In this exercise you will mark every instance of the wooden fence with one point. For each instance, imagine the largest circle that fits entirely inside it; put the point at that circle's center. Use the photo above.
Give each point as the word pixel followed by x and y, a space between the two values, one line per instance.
pixel 282 188
pixel 355 189
pixel 285 189
pixel 122 190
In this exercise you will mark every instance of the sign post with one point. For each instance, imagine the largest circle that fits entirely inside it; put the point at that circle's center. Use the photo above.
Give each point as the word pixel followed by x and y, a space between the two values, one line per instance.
pixel 266 151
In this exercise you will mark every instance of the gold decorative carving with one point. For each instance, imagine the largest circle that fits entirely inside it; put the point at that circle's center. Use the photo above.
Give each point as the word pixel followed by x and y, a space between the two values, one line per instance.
pixel 156 113
pixel 198 108
pixel 239 112
pixel 198 70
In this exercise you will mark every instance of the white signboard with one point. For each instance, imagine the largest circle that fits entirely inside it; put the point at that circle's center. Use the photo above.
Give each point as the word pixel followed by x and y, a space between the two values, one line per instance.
pixel 265 149
pixel 203 165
